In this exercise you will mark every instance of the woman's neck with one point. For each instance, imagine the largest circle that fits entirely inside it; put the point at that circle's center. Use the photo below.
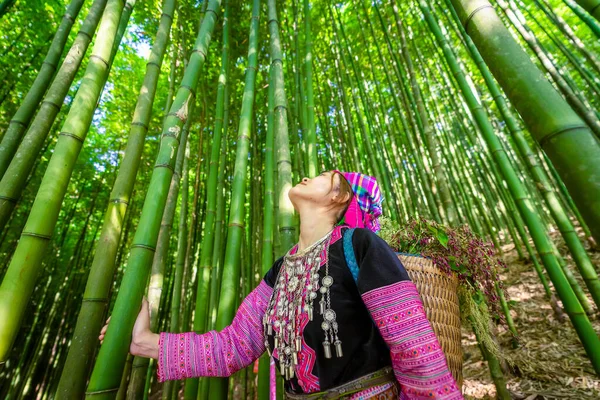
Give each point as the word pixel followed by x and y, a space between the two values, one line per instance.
pixel 313 226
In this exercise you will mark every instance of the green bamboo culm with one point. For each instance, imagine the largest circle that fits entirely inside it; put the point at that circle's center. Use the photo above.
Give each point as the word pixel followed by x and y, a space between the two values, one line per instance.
pixel 123 22
pixel 494 367
pixel 16 162
pixel 564 137
pixel 311 135
pixel 219 243
pixel 591 6
pixel 230 282
pixel 95 297
pixel 111 358
pixel 182 239
pixel 580 256
pixel 34 95
pixel 287 232
pixel 268 220
pixel 156 293
pixel 277 140
pixel 26 262
pixel 179 265
pixel 269 223
pixel 571 94
pixel 524 204
pixel 590 21
pixel 207 246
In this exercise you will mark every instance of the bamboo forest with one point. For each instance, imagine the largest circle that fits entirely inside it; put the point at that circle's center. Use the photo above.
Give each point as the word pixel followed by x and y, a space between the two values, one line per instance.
pixel 147 149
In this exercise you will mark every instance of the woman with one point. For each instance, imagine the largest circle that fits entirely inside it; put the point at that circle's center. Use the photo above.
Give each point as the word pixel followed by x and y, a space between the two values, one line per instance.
pixel 326 333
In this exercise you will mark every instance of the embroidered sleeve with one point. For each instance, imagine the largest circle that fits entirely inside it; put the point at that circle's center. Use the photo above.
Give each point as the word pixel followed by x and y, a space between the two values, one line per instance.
pixel 217 354
pixel 394 303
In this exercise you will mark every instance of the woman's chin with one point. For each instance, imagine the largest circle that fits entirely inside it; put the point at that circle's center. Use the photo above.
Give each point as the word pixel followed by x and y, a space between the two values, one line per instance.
pixel 295 194
pixel 295 190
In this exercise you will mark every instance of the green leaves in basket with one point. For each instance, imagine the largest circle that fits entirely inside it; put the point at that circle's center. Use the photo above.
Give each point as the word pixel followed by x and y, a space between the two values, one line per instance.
pixel 460 268
pixel 440 235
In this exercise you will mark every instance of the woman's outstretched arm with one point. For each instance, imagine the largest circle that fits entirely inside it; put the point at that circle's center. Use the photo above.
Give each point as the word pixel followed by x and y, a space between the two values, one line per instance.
pixel 191 355
pixel 218 354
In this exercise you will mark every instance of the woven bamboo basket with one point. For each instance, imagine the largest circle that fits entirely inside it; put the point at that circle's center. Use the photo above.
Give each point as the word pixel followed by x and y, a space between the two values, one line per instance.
pixel 438 293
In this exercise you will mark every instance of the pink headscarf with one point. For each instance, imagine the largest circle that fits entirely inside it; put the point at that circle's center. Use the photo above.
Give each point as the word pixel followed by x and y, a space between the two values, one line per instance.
pixel 365 206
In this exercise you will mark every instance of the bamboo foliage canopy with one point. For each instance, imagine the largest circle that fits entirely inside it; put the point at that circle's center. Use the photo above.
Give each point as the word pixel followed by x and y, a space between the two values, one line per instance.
pixel 147 149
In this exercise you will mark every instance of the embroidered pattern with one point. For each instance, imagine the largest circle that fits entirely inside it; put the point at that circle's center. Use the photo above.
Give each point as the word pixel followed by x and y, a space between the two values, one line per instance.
pixel 218 354
pixel 365 207
pixel 307 357
pixel 306 362
pixel 417 358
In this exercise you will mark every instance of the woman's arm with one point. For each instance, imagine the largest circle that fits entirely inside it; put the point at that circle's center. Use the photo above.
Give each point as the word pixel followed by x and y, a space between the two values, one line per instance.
pixel 395 305
pixel 417 358
pixel 219 354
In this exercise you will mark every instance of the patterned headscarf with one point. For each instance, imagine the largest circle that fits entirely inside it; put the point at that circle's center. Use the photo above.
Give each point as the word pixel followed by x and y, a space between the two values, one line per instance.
pixel 365 206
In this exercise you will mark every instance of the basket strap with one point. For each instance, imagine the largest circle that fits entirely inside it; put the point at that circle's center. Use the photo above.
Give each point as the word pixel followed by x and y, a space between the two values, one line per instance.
pixel 352 264
pixel 349 253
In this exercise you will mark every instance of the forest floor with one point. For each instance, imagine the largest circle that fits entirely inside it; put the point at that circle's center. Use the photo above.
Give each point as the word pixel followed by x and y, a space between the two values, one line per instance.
pixel 550 362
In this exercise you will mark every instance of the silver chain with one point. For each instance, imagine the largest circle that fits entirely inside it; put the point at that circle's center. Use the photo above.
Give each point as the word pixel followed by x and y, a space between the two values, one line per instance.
pixel 298 271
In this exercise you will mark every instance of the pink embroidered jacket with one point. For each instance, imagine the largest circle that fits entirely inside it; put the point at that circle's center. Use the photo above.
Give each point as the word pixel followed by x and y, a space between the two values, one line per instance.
pixel 417 359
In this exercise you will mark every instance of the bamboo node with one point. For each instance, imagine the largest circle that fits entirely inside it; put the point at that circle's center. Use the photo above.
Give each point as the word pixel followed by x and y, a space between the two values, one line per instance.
pixel 200 51
pixel 560 131
pixel 153 63
pixel 69 17
pixel 37 235
pixel 101 59
pixel 12 200
pixel 191 89
pixel 101 392
pixel 95 300
pixel 140 124
pixel 143 246
pixel 85 34
pixel 475 11
pixel 49 63
pixel 71 135
pixel 165 165
pixel 52 104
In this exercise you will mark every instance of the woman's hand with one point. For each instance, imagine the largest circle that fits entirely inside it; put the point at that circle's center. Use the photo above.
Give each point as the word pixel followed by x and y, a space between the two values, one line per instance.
pixel 144 342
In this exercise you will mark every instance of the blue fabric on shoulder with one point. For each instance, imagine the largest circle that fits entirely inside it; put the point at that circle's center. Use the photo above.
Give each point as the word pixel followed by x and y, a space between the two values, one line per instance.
pixel 351 261
pixel 349 253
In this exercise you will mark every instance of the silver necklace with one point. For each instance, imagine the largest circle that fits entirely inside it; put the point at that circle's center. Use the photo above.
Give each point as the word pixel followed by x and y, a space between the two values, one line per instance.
pixel 281 319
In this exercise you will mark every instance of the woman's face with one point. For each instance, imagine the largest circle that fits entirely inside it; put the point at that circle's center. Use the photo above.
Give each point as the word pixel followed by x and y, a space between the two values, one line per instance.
pixel 317 190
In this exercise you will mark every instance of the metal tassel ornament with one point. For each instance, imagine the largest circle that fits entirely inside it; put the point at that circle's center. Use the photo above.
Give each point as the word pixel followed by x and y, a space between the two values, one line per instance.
pixel 295 290
pixel 329 325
